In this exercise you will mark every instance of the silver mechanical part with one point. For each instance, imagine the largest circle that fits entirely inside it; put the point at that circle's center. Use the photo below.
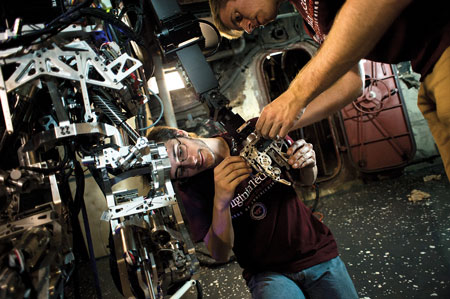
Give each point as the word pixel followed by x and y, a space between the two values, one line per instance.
pixel 74 64
pixel 16 227
pixel 158 165
pixel 187 285
pixel 5 104
pixel 264 160
pixel 276 171
pixel 56 134
pixel 153 247
pixel 266 156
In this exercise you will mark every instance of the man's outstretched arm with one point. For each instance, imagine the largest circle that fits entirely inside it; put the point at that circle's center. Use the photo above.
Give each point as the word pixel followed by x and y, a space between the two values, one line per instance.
pixel 348 88
pixel 357 28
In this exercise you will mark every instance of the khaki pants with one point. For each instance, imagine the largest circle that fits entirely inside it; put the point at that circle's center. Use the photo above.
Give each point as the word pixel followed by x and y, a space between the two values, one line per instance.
pixel 434 103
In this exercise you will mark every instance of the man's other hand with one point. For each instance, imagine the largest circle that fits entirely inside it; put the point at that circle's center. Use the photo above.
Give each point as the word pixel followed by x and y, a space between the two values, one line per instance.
pixel 301 154
pixel 227 176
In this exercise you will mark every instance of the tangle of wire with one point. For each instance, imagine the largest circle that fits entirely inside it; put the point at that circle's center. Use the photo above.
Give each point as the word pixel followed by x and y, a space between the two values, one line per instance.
pixel 67 18
pixel 139 11
pixel 160 113
pixel 52 28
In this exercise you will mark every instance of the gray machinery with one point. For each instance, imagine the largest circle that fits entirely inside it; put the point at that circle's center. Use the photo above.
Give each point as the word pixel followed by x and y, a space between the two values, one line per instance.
pixel 70 79
pixel 66 94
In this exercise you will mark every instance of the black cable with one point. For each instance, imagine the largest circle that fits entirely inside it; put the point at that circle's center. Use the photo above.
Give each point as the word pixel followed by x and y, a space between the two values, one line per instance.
pixel 79 197
pixel 98 149
pixel 68 18
pixel 316 200
pixel 112 32
pixel 84 4
pixel 79 249
pixel 52 28
pixel 114 21
pixel 51 170
pixel 160 114
pixel 25 40
pixel 199 289
pixel 139 16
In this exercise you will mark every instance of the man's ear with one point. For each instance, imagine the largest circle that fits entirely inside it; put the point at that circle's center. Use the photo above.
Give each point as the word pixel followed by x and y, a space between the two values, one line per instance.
pixel 182 133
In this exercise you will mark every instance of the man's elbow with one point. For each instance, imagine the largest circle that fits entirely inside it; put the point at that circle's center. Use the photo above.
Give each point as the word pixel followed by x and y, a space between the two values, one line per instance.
pixel 359 81
pixel 359 91
pixel 355 89
pixel 221 257
pixel 219 250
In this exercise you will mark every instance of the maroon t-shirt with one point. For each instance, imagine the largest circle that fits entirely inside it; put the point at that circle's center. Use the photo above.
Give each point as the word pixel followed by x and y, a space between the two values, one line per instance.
pixel 420 34
pixel 273 229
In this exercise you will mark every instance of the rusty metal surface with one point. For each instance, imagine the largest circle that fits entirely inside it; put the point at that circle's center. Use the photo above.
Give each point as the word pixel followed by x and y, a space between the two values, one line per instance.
pixel 377 129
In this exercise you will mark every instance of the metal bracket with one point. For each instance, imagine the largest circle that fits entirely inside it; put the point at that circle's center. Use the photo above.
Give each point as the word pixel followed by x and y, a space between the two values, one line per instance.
pixel 19 226
pixel 140 205
pixel 77 64
pixel 5 105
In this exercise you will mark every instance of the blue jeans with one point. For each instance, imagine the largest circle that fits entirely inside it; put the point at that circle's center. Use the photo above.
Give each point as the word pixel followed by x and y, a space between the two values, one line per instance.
pixel 326 280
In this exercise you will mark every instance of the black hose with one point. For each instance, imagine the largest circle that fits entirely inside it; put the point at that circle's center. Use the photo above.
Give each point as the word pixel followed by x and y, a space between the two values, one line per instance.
pixel 52 28
pixel 51 170
pixel 68 18
pixel 139 16
pixel 79 198
pixel 316 200
pixel 114 21
pixel 199 289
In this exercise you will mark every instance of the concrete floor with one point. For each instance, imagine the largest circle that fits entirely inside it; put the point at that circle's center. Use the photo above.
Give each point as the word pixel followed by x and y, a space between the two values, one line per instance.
pixel 393 248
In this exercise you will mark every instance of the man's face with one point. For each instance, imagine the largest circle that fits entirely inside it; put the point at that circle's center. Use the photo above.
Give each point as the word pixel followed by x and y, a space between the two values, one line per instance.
pixel 188 157
pixel 248 14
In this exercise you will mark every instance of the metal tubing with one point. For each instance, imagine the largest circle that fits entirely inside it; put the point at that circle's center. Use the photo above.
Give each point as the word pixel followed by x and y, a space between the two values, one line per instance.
pixel 183 289
pixel 169 114
pixel 228 53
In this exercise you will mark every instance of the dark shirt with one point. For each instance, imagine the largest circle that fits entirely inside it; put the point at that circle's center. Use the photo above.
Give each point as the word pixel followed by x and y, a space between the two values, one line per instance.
pixel 273 229
pixel 420 34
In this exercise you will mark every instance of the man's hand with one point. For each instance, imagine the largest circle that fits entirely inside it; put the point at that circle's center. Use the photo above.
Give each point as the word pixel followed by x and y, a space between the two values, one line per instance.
pixel 303 157
pixel 227 176
pixel 367 21
pixel 301 154
pixel 280 116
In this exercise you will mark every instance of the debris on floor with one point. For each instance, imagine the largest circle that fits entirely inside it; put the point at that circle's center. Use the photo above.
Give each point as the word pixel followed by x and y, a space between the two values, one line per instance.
pixel 417 195
pixel 431 177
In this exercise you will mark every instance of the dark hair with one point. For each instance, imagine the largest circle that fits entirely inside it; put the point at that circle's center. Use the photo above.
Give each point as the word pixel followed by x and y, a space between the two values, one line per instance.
pixel 165 133
pixel 162 133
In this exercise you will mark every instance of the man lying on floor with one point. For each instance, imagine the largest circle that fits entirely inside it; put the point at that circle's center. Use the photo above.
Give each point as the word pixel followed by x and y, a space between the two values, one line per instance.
pixel 284 250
